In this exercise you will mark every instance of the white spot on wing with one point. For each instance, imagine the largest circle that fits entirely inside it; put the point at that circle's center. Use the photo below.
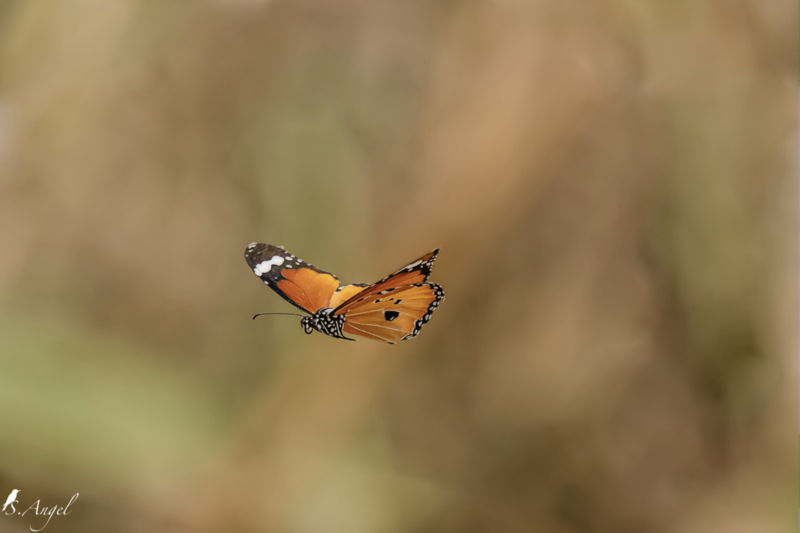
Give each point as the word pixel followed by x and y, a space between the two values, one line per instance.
pixel 265 266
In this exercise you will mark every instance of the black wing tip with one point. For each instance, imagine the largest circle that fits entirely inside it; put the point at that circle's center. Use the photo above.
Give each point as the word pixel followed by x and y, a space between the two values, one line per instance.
pixel 255 245
pixel 254 250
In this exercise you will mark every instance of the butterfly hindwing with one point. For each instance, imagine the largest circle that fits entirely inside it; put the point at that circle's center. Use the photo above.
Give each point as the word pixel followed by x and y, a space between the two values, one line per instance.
pixel 392 314
pixel 396 307
pixel 301 284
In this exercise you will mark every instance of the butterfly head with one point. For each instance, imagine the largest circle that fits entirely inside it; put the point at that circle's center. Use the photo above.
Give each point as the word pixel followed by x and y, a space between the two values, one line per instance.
pixel 308 324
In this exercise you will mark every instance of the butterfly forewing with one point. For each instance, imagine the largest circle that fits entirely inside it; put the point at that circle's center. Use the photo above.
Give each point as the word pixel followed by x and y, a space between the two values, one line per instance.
pixel 301 284
pixel 414 272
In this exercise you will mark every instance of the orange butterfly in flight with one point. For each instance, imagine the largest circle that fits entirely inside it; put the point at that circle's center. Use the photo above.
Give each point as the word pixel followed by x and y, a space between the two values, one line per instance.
pixel 392 309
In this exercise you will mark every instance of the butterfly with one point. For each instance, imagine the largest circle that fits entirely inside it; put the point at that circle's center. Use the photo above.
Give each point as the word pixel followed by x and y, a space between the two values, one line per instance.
pixel 392 309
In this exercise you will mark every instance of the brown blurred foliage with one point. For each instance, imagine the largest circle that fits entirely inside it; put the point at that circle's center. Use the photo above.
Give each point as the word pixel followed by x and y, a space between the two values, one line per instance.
pixel 613 188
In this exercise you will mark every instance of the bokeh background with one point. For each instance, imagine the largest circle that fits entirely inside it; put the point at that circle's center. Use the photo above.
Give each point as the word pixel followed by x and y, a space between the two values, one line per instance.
pixel 613 188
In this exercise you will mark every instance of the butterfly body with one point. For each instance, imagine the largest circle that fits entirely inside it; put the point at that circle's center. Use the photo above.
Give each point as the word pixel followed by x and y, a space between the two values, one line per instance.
pixel 324 322
pixel 394 308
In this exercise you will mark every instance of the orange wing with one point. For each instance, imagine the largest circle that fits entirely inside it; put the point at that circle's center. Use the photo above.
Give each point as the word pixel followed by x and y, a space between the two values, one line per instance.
pixel 396 307
pixel 345 292
pixel 414 272
pixel 394 313
pixel 301 284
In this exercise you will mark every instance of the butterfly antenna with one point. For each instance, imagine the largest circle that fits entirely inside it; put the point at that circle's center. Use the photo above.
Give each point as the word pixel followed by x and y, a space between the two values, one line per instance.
pixel 285 314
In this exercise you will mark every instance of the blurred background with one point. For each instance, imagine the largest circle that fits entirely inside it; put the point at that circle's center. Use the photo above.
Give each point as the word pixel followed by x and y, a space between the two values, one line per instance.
pixel 612 186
